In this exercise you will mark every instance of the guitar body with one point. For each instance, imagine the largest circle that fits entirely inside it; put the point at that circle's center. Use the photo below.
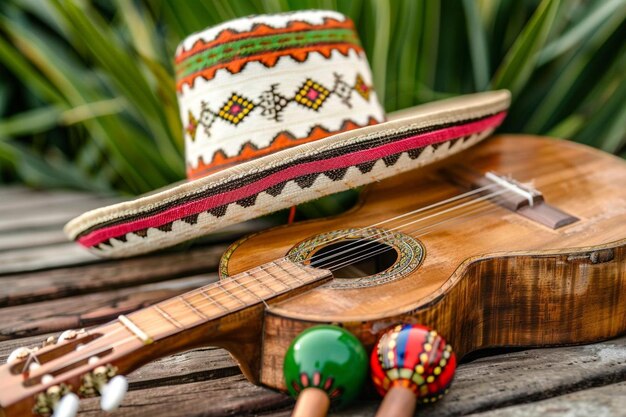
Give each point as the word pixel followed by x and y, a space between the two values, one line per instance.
pixel 483 276
pixel 485 265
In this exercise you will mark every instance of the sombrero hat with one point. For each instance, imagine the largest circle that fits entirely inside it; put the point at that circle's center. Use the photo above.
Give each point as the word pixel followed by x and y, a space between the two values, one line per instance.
pixel 279 110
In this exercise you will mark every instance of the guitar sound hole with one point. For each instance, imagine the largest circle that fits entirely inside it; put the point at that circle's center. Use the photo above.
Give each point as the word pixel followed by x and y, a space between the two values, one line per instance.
pixel 360 257
pixel 355 258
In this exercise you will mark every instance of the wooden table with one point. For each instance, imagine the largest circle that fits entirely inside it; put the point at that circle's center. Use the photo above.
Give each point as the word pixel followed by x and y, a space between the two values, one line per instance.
pixel 48 285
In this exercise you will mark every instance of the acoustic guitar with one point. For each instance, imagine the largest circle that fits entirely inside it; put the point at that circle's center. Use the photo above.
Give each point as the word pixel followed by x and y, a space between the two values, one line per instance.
pixel 519 241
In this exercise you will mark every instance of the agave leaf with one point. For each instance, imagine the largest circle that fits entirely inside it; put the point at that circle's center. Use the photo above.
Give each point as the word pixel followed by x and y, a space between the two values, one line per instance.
pixel 578 33
pixel 53 173
pixel 521 59
pixel 18 64
pixel 142 32
pixel 123 73
pixel 407 53
pixel 78 87
pixel 428 68
pixel 5 94
pixel 605 129
pixel 576 76
pixel 32 121
pixel 477 44
pixel 382 16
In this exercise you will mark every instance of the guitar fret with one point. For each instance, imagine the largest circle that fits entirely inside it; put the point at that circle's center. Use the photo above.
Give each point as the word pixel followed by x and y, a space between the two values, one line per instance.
pixel 276 279
pixel 260 281
pixel 193 308
pixel 220 284
pixel 214 301
pixel 290 273
pixel 248 290
pixel 168 317
pixel 133 328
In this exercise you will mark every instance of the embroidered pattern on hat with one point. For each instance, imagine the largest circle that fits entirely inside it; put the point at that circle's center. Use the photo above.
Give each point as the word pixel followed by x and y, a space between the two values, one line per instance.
pixel 235 109
pixel 281 141
pixel 232 50
pixel 310 95
pixel 386 154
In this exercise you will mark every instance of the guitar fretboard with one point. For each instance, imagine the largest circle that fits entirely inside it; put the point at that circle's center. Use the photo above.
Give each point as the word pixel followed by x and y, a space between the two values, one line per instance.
pixel 226 296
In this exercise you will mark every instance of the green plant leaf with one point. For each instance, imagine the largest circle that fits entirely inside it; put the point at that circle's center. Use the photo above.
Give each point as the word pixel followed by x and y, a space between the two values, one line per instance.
pixel 521 59
pixel 33 121
pixel 382 17
pixel 477 44
pixel 581 31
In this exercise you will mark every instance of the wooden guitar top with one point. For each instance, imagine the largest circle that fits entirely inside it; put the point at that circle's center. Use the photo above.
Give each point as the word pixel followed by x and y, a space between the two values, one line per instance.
pixel 489 278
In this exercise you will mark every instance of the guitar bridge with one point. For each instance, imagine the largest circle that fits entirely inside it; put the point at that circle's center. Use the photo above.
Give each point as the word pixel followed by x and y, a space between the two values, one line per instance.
pixel 522 199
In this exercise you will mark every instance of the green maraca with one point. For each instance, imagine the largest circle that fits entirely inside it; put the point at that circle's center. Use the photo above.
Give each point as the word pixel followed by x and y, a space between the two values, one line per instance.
pixel 324 365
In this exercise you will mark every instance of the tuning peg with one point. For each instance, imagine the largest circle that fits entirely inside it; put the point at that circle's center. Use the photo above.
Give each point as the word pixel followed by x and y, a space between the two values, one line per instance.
pixel 411 363
pixel 48 342
pixel 324 364
pixel 93 383
pixel 19 354
pixel 53 401
pixel 113 393
pixel 67 335
pixel 67 406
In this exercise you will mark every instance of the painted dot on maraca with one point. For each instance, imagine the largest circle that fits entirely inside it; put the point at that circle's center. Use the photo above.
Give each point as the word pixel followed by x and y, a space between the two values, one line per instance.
pixel 416 357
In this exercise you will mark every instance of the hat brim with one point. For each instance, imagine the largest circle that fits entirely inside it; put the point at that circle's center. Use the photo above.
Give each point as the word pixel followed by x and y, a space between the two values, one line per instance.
pixel 411 138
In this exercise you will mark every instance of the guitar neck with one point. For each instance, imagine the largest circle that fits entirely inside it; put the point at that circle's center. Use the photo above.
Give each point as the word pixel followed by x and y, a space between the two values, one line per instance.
pixel 227 313
pixel 224 298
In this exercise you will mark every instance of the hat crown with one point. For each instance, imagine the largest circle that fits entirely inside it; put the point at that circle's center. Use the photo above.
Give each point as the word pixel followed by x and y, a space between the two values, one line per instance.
pixel 254 86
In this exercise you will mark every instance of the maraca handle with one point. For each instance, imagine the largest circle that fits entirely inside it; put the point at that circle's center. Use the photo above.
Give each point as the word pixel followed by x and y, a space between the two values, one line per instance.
pixel 398 402
pixel 312 402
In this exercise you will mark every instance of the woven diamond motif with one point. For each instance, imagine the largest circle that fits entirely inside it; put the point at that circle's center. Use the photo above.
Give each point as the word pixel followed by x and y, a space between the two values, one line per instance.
pixel 311 94
pixel 342 89
pixel 235 109
pixel 362 88
pixel 272 103
pixel 192 125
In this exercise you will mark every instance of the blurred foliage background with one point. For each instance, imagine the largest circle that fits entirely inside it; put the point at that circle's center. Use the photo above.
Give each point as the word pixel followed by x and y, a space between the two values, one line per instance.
pixel 87 97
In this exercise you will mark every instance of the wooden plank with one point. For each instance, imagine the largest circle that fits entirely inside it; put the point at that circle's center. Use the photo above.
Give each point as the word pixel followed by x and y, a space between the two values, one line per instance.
pixel 228 396
pixel 486 384
pixel 24 239
pixel 92 309
pixel 598 402
pixel 196 365
pixel 38 200
pixel 34 259
pixel 63 282
pixel 11 191
pixel 21 257
pixel 48 216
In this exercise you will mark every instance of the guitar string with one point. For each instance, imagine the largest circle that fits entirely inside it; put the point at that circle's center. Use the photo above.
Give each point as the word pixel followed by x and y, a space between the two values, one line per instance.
pixel 475 212
pixel 382 237
pixel 410 213
pixel 368 241
pixel 89 353
pixel 216 299
pixel 231 294
pixel 228 294
pixel 95 349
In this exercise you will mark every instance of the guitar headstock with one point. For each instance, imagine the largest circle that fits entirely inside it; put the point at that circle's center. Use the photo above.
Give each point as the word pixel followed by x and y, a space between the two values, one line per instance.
pixel 47 379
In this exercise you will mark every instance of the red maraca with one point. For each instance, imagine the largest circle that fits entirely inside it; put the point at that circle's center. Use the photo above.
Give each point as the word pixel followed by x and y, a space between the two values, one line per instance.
pixel 411 363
